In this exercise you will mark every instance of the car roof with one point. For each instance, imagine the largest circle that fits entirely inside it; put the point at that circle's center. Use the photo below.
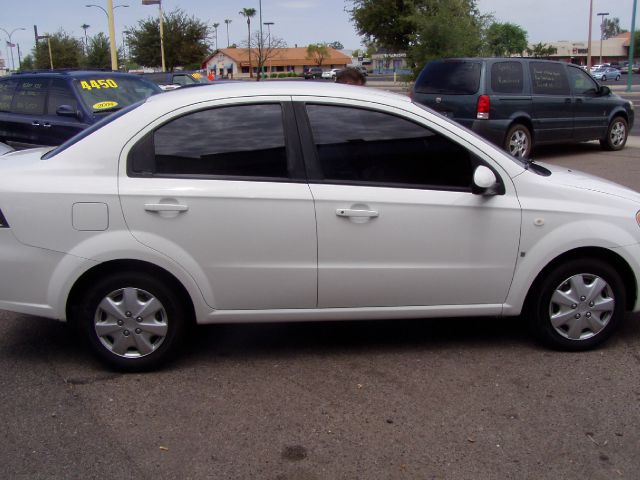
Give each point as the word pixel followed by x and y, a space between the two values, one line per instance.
pixel 73 73
pixel 184 96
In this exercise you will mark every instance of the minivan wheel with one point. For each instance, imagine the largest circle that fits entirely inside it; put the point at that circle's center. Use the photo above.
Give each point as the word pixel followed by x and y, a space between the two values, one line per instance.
pixel 617 133
pixel 132 321
pixel 518 141
pixel 578 305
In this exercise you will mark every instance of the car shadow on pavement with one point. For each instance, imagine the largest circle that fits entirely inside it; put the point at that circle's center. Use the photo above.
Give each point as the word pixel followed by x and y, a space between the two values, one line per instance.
pixel 565 150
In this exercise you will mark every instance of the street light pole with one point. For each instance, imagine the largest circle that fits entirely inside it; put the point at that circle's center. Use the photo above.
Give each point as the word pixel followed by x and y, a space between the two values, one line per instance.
pixel 112 30
pixel 589 43
pixel 13 64
pixel 261 46
pixel 631 46
pixel 602 14
pixel 159 3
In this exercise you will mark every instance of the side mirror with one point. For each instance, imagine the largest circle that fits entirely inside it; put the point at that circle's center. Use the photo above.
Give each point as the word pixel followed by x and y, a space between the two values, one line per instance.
pixel 604 91
pixel 484 181
pixel 67 111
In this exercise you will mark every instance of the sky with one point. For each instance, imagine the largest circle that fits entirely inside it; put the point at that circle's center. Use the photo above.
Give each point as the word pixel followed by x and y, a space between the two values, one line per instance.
pixel 297 22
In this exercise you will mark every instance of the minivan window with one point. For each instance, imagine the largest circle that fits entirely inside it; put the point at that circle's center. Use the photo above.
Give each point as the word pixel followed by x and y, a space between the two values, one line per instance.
pixel 548 78
pixel 450 77
pixel 7 88
pixel 106 93
pixel 507 77
pixel 30 97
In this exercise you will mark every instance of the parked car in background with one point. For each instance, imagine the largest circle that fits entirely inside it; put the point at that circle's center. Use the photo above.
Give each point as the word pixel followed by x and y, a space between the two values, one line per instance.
pixel 50 106
pixel 599 66
pixel 331 74
pixel 281 201
pixel 362 69
pixel 606 73
pixel 625 68
pixel 518 103
pixel 176 79
pixel 312 73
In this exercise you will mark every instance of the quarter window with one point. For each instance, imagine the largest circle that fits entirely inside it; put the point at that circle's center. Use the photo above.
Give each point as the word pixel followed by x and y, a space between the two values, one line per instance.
pixel 507 77
pixel 237 141
pixel 549 78
pixel 367 147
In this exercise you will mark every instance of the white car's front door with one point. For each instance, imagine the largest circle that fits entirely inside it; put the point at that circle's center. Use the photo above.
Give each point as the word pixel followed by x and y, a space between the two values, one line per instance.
pixel 398 224
pixel 217 191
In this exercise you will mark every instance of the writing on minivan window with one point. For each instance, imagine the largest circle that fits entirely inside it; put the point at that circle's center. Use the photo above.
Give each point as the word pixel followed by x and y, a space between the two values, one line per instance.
pixel 549 79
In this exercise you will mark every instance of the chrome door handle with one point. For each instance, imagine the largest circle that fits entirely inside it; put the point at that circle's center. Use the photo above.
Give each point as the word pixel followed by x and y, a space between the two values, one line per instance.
pixel 349 212
pixel 46 125
pixel 165 207
pixel 35 123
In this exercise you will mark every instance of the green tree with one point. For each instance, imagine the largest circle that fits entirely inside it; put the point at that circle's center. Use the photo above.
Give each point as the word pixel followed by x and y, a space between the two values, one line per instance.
pixel 541 50
pixel 505 39
pixel 424 29
pixel 98 52
pixel 336 45
pixel 27 63
pixel 65 50
pixel 185 40
pixel 248 13
pixel 317 52
pixel 611 28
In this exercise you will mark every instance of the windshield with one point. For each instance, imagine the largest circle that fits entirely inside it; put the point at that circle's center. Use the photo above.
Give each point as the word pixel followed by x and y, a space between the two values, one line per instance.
pixel 105 93
pixel 88 131
pixel 457 77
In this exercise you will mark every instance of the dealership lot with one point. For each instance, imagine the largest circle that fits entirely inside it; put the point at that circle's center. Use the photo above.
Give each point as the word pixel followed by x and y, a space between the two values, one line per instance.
pixel 448 398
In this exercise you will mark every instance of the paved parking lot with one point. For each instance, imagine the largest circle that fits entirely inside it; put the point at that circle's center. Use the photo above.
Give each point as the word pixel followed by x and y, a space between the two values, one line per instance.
pixel 436 399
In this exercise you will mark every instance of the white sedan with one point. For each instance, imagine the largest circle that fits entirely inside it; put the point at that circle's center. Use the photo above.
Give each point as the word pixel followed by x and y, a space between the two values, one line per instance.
pixel 331 74
pixel 296 201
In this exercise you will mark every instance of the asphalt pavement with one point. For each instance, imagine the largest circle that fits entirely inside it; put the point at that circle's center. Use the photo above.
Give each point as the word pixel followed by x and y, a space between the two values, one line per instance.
pixel 456 399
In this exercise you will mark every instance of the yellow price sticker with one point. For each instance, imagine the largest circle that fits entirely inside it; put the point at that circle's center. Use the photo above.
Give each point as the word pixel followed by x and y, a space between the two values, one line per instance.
pixel 101 83
pixel 104 105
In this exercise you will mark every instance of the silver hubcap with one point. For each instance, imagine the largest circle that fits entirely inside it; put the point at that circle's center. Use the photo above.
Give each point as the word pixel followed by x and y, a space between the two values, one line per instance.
pixel 581 306
pixel 518 144
pixel 131 322
pixel 617 134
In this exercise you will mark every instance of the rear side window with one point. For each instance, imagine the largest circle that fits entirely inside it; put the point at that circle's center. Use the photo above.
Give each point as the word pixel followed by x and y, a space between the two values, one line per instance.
pixel 7 89
pixel 30 96
pixel 507 77
pixel 450 77
pixel 548 79
pixel 236 141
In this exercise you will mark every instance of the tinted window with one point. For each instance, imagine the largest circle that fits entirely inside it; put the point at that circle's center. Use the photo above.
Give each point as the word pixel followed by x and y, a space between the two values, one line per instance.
pixel 106 93
pixel 453 77
pixel 362 146
pixel 30 96
pixel 581 82
pixel 60 94
pixel 507 77
pixel 246 141
pixel 7 88
pixel 548 79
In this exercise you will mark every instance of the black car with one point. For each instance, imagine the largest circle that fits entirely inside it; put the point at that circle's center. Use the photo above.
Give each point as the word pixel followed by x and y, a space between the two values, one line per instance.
pixel 46 108
pixel 517 103
pixel 312 73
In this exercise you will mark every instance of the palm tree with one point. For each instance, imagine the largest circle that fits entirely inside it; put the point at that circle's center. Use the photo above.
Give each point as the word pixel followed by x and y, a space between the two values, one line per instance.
pixel 227 21
pixel 84 26
pixel 248 13
pixel 215 28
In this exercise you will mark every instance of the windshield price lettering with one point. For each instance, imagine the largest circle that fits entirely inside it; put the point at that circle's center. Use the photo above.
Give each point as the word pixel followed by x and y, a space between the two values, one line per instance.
pixel 90 84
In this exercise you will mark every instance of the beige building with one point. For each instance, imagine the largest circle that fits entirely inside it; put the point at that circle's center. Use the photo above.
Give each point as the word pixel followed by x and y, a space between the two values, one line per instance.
pixel 614 49
pixel 234 62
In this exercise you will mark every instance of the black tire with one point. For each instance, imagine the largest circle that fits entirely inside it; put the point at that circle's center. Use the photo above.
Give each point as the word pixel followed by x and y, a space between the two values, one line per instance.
pixel 152 337
pixel 617 133
pixel 604 78
pixel 586 297
pixel 617 78
pixel 517 142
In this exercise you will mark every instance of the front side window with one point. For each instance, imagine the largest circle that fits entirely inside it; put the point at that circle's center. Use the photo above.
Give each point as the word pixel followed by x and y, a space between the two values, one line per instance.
pixel 548 79
pixel 60 94
pixel 30 96
pixel 237 141
pixel 582 82
pixel 361 146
